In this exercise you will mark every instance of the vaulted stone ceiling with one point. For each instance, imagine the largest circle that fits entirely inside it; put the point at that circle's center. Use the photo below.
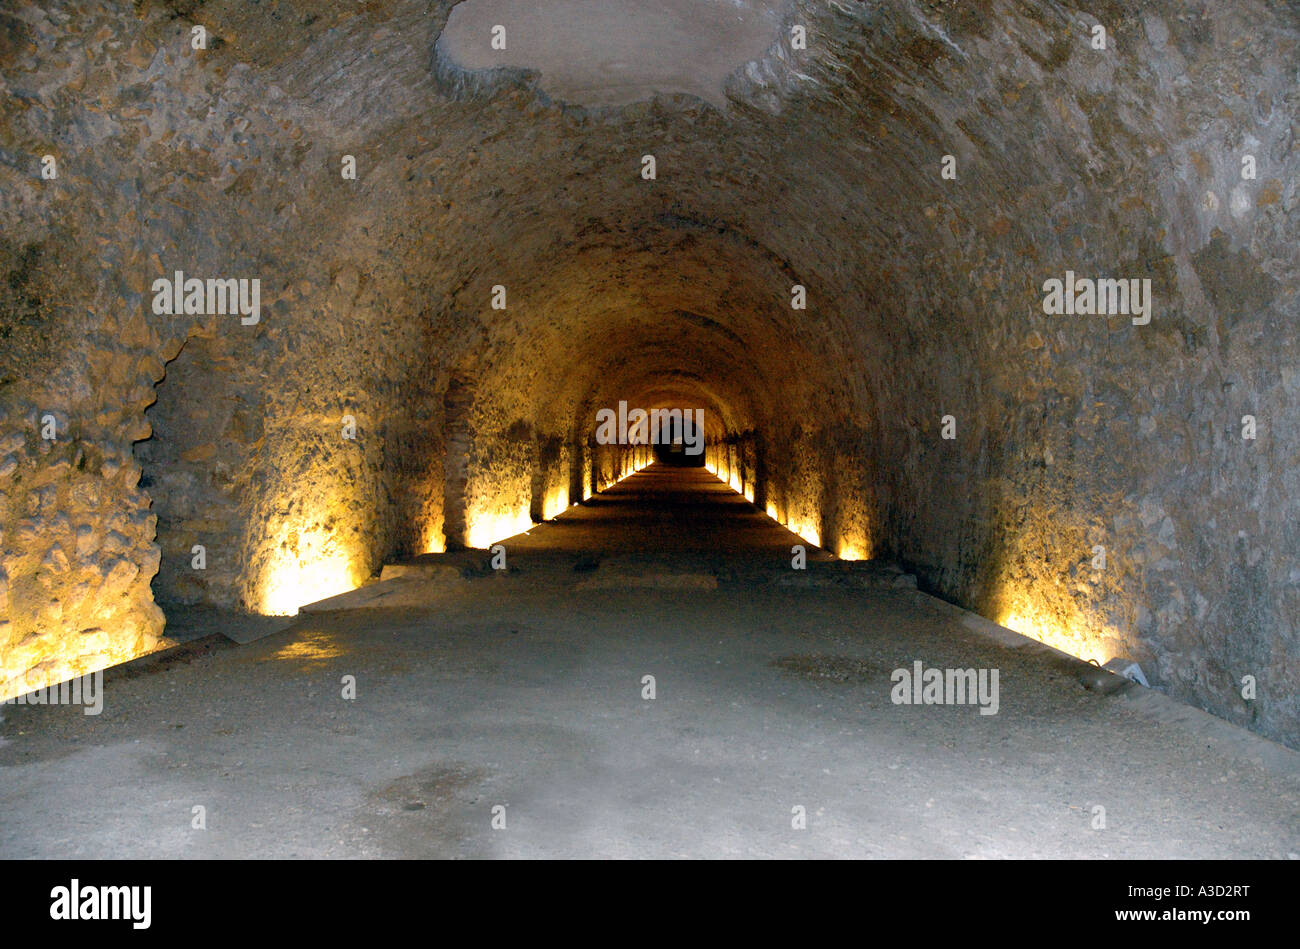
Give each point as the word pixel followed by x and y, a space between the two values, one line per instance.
pixel 820 167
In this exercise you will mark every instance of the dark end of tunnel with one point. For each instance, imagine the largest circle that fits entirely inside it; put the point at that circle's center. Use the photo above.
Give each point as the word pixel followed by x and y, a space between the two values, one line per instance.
pixel 677 456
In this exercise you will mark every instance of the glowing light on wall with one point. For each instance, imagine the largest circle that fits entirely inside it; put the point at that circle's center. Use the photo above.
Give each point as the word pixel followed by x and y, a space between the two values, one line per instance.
pixel 1037 622
pixel 807 530
pixel 850 552
pixel 16 679
pixel 749 493
pixel 604 484
pixel 556 502
pixel 631 471
pixel 772 512
pixel 487 527
pixel 316 567
pixel 432 539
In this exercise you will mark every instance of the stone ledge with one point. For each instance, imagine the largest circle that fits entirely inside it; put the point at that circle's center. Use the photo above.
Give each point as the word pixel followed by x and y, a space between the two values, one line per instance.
pixel 402 590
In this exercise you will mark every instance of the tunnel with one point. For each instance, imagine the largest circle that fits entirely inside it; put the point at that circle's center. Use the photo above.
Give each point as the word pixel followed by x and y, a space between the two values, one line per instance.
pixel 518 348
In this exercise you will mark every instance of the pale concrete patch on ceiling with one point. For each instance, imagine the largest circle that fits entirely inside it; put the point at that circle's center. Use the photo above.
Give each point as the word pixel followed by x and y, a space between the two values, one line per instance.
pixel 613 52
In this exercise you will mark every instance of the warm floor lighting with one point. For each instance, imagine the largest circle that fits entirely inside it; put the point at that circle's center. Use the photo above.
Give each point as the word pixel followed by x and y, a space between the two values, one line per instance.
pixel 311 650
